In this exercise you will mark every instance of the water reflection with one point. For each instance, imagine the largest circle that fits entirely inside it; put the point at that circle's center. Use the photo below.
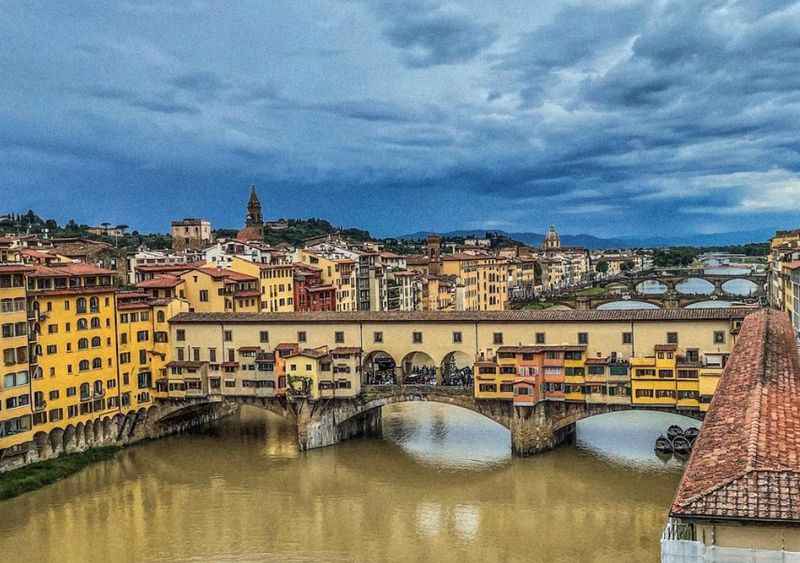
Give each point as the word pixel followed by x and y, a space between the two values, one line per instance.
pixel 441 486
pixel 651 287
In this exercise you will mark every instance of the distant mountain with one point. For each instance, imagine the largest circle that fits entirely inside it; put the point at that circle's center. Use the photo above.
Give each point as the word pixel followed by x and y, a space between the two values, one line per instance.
pixel 592 242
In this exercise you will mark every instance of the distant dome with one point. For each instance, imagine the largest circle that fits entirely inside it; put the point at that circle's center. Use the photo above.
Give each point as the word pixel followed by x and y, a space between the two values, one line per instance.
pixel 551 239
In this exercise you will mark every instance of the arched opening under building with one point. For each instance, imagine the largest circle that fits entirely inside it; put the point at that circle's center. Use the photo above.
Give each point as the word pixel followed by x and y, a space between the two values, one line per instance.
pixel 456 370
pixel 380 369
pixel 419 368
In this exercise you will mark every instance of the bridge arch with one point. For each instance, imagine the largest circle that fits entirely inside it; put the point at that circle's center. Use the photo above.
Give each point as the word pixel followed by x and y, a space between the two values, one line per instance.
pixel 740 287
pixel 651 286
pixel 574 413
pixel 701 286
pixel 456 368
pixel 499 412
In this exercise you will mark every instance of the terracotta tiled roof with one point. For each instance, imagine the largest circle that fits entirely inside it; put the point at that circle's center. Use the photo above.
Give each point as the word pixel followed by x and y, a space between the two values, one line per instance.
pixel 163 281
pixel 746 463
pixel 15 268
pixel 70 269
pixel 346 350
pixel 546 315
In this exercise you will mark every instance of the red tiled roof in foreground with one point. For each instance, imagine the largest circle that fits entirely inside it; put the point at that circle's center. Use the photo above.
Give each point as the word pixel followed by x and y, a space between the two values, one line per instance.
pixel 746 462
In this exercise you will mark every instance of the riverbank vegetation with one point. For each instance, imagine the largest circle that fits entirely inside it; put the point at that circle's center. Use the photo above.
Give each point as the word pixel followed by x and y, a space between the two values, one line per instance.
pixel 31 477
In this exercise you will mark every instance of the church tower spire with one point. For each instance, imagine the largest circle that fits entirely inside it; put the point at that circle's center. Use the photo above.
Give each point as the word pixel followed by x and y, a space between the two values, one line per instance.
pixel 253 221
pixel 254 217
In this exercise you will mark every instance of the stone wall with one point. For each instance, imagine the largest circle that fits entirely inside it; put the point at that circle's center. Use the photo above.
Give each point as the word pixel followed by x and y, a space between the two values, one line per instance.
pixel 119 430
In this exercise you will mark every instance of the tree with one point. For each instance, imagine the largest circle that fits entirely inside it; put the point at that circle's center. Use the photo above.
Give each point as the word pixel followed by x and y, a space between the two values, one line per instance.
pixel 602 266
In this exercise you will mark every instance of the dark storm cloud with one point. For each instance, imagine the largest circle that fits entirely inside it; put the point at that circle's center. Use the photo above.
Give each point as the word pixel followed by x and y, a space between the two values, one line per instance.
pixel 432 33
pixel 632 115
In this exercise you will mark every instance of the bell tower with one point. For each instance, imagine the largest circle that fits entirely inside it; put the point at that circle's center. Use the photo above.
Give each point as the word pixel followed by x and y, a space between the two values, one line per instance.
pixel 254 217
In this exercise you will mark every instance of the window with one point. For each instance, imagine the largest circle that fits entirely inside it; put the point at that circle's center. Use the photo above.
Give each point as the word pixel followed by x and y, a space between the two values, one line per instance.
pixel 228 336
pixel 15 379
pixel 179 354
pixel 212 355
pixel 583 338
pixel 540 338
pixel 377 337
pixel 123 318
pixel 204 295
pixel 719 337
pixel 97 363
pixel 458 338
pixel 83 343
pixel 83 365
pixel 643 393
pixel 80 305
pixel 95 322
pixel 416 338
pixel 672 338
pixel 665 373
pixel 52 349
pixel 497 338
pixel 301 336
pixel 180 335
pixel 627 338
pixel 82 324
pixel 71 391
pixel 94 305
pixel 142 336
pixel 161 317
pixel 125 358
pixel 51 329
pixel 123 338
pixel 487 388
pixel 96 342
pixel 263 336
pixel 339 337
pixel 142 356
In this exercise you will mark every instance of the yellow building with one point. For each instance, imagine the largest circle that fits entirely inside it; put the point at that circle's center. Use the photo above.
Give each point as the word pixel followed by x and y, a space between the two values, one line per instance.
pixel 15 399
pixel 322 374
pixel 75 378
pixel 276 284
pixel 144 346
pixel 339 272
pixel 217 290
pixel 574 375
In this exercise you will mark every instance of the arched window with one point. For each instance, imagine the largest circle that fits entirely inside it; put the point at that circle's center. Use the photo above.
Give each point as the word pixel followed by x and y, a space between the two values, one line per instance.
pixel 82 324
pixel 97 363
pixel 80 305
pixel 83 343
pixel 94 304
pixel 84 391
pixel 83 365
pixel 95 322
pixel 160 316
pixel 96 342
pixel 98 387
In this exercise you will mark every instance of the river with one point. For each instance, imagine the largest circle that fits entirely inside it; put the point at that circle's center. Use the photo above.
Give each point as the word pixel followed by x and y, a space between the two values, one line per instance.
pixel 441 486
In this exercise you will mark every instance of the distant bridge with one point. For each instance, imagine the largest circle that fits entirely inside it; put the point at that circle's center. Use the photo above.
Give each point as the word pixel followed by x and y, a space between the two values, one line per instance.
pixel 624 288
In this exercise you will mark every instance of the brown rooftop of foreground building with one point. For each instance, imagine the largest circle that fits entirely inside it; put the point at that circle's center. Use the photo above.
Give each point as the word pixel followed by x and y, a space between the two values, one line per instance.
pixel 607 315
pixel 746 462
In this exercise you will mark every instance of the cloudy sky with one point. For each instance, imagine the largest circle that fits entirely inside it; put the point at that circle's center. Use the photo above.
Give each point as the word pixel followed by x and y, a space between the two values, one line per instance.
pixel 605 117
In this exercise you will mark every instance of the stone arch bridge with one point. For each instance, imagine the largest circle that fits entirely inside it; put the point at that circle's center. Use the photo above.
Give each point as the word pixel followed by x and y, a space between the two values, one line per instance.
pixel 325 422
pixel 672 298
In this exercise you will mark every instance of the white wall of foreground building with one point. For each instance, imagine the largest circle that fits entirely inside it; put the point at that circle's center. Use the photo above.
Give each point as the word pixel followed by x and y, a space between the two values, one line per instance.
pixel 685 551
pixel 732 544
